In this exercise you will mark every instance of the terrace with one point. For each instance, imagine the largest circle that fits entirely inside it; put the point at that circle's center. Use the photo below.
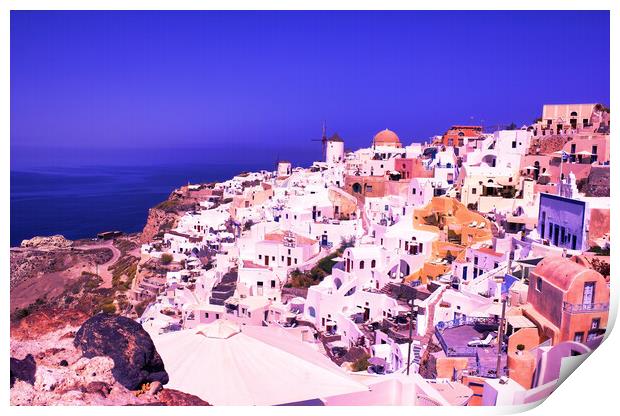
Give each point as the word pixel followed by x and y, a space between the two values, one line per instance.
pixel 454 337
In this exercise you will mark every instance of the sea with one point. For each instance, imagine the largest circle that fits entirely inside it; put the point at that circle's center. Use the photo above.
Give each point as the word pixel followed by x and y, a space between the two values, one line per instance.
pixel 81 201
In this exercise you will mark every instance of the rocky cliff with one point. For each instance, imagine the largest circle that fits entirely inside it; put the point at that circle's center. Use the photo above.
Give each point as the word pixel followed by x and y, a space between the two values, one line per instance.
pixel 48 369
pixel 165 215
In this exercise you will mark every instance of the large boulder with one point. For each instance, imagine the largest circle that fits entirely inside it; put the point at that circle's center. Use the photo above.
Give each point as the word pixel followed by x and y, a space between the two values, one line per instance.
pixel 23 369
pixel 136 360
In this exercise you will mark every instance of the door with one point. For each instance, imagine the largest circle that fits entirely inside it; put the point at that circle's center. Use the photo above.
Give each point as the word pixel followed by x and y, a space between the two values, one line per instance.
pixel 588 293
pixel 288 261
pixel 324 240
pixel 366 314
pixel 266 260
pixel 464 272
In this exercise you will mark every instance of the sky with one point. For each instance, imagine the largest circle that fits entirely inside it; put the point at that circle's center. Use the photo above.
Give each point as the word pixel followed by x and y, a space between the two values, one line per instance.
pixel 143 87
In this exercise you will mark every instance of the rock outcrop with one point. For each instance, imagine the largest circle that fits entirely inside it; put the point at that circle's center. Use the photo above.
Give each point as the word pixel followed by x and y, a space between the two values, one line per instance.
pixel 135 358
pixel 54 241
pixel 157 222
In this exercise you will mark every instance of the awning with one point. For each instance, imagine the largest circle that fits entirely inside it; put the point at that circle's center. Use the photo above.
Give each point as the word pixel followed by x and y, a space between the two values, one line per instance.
pixel 530 167
pixel 494 309
pixel 492 185
pixel 531 262
pixel 584 153
pixel 545 174
pixel 520 321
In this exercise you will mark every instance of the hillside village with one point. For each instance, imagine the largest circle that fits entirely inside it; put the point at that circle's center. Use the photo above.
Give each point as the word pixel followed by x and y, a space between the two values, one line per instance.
pixel 469 270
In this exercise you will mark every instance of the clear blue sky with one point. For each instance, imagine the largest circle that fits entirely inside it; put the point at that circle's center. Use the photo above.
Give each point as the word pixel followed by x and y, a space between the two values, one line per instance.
pixel 89 87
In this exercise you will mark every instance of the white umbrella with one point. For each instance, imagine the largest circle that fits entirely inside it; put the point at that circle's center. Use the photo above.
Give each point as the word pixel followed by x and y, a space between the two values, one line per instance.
pixel 584 153
pixel 545 174
pixel 297 301
pixel 530 167
pixel 240 370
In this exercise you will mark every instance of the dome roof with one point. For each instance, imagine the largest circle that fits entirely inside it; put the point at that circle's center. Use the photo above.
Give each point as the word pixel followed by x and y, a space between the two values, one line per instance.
pixel 385 137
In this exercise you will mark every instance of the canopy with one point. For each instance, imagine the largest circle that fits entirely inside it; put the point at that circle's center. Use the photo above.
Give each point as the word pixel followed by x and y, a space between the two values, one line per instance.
pixel 520 321
pixel 584 153
pixel 492 185
pixel 545 174
pixel 494 309
pixel 530 167
pixel 258 366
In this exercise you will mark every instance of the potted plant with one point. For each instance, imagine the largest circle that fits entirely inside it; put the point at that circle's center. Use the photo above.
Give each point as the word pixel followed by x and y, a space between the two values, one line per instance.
pixel 520 348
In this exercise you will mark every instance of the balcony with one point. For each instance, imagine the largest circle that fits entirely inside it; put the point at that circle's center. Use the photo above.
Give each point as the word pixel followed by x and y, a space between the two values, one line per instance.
pixel 573 308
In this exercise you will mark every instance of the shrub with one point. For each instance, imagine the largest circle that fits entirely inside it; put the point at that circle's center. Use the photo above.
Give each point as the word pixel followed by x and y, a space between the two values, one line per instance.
pixel 166 258
pixel 108 308
pixel 361 364
pixel 141 307
pixel 21 313
pixel 346 243
pixel 601 266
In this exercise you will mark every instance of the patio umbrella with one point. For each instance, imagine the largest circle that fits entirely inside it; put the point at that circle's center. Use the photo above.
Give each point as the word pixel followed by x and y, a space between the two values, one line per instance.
pixel 545 174
pixel 377 361
pixel 530 167
pixel 584 153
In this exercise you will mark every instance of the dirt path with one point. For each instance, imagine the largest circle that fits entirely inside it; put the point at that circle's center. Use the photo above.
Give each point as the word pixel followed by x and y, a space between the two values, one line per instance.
pixel 103 271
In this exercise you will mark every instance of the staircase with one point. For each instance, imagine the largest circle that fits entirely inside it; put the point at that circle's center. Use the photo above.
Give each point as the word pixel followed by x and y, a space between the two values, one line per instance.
pixel 388 289
pixel 224 289
pixel 417 353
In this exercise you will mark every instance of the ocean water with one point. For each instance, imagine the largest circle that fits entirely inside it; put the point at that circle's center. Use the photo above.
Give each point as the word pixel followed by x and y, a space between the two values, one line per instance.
pixel 79 202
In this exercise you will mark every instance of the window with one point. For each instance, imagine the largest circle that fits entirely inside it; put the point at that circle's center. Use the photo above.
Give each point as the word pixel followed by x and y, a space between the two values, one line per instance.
pixel 217 316
pixel 350 292
pixel 206 314
pixel 514 144
pixel 414 191
pixel 539 284
pixel 373 263
pixel 578 337
pixel 476 260
pixel 260 256
pixel 473 191
pixel 362 265
pixel 596 323
pixel 273 284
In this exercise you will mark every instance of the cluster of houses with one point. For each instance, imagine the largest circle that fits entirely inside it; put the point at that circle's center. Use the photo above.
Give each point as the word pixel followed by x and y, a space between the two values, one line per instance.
pixel 462 271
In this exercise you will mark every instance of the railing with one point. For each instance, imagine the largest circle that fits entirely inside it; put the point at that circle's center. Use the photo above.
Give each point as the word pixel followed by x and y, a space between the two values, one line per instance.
pixel 490 372
pixel 424 400
pixel 461 351
pixel 585 307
